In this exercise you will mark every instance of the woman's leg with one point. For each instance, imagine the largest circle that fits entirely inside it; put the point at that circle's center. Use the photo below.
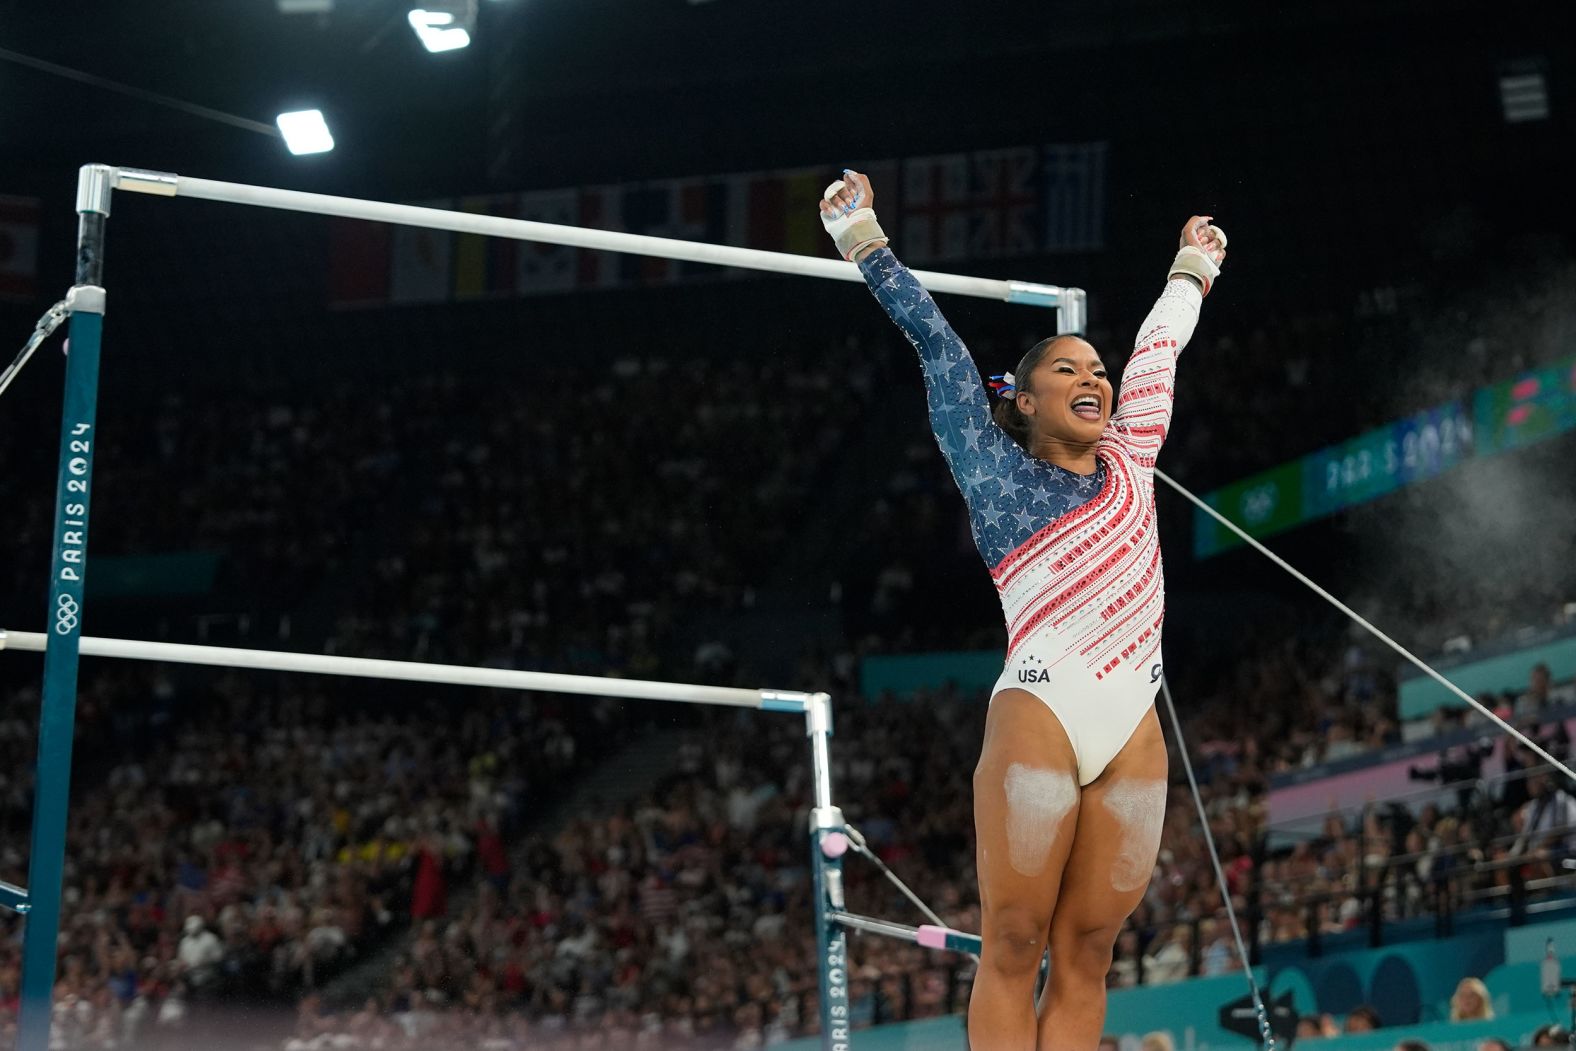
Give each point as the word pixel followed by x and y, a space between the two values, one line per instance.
pixel 1113 856
pixel 1025 811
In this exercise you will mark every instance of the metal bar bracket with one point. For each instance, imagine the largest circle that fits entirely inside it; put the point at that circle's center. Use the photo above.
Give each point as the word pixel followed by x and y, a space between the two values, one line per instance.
pixel 14 898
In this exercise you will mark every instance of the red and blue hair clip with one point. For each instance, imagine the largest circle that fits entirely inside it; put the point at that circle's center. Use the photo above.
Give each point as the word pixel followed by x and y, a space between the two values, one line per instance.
pixel 1003 386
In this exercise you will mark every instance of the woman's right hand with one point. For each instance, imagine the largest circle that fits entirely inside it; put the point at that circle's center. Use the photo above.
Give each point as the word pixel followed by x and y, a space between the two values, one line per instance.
pixel 856 193
pixel 850 219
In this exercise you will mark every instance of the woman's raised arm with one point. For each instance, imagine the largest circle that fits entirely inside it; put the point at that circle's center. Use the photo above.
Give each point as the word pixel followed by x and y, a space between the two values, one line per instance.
pixel 1143 408
pixel 977 450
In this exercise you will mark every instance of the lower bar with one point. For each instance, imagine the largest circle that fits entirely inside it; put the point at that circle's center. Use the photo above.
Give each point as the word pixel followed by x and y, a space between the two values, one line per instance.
pixel 412 671
pixel 928 935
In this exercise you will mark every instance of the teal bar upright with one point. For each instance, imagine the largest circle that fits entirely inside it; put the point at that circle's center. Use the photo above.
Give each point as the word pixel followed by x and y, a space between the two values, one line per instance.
pixel 63 624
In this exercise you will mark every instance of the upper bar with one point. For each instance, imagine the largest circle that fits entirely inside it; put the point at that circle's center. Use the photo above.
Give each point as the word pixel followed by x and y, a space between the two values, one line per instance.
pixel 411 671
pixel 164 183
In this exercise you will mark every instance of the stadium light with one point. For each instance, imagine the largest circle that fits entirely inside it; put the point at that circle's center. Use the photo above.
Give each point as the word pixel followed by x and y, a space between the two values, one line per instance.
pixel 305 131
pixel 1525 97
pixel 443 29
pixel 1523 91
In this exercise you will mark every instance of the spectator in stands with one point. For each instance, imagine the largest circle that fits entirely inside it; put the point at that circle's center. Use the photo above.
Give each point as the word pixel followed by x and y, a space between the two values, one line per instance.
pixel 1470 1002
pixel 428 898
pixel 1109 1043
pixel 1545 823
pixel 1126 963
pixel 1159 1040
pixel 1174 958
pixel 1553 737
pixel 1461 762
pixel 1411 1045
pixel 1551 1035
pixel 1317 1027
pixel 200 952
pixel 1494 1043
pixel 1218 955
pixel 1364 1019
pixel 1537 696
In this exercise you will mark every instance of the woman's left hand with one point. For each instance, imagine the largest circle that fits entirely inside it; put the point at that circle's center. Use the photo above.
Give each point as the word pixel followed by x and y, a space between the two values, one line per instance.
pixel 1205 237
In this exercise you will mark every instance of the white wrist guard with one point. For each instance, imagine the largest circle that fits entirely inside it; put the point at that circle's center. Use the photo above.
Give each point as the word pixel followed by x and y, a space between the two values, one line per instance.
pixel 1193 262
pixel 854 231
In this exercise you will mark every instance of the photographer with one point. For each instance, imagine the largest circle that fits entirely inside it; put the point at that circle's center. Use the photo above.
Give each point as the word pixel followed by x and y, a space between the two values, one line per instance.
pixel 1460 764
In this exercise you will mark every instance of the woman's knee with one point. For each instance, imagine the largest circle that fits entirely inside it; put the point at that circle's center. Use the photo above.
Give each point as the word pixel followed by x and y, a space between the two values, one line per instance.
pixel 1014 940
pixel 1084 950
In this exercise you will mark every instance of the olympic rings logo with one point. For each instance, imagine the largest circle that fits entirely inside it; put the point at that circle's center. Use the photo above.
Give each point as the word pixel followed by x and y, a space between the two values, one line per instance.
pixel 66 615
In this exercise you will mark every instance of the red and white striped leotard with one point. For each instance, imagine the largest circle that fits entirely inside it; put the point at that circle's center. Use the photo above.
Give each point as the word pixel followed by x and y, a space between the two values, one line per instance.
pixel 1077 567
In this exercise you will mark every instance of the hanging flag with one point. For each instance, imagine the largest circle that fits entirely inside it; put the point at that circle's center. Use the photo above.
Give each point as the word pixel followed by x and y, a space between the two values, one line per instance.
pixel 802 231
pixel 19 217
pixel 953 207
pixel 601 208
pixel 1075 197
pixel 484 266
pixel 735 191
pixel 766 215
pixel 1006 220
pixel 358 263
pixel 972 205
pixel 423 261
pixel 700 210
pixel 780 209
pixel 548 267
pixel 937 207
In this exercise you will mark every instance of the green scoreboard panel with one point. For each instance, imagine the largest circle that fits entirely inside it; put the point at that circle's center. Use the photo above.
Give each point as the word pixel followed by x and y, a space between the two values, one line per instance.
pixel 1504 416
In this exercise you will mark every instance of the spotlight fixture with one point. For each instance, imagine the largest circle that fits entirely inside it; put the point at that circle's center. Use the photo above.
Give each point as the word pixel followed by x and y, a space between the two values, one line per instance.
pixel 444 25
pixel 305 131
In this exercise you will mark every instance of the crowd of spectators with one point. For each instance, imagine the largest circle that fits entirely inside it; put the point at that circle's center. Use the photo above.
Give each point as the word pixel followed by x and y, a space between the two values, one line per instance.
pixel 583 539
pixel 244 842
pixel 685 917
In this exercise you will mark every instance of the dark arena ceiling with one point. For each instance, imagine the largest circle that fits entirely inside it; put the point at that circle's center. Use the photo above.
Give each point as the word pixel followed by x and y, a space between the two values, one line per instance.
pixel 556 91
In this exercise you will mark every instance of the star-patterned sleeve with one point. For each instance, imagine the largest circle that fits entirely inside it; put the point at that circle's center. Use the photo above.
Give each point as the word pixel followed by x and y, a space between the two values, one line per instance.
pixel 1143 408
pixel 983 459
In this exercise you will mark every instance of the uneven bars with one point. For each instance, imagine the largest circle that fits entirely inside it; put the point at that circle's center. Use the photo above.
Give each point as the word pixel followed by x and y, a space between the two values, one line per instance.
pixel 411 671
pixel 927 935
pixel 167 184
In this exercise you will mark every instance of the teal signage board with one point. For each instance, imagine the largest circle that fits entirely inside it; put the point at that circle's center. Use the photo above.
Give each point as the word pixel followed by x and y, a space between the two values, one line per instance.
pixel 1503 416
pixel 906 673
pixel 1419 695
pixel 1409 983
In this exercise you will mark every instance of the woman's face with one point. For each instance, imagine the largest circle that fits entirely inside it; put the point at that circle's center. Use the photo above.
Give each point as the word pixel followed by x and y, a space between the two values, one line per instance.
pixel 1067 395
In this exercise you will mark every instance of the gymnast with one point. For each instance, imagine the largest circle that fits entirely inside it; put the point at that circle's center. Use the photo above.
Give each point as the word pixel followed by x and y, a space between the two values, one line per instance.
pixel 1058 478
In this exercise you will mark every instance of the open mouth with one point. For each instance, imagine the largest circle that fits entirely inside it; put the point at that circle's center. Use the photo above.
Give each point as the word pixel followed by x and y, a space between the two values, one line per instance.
pixel 1087 407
